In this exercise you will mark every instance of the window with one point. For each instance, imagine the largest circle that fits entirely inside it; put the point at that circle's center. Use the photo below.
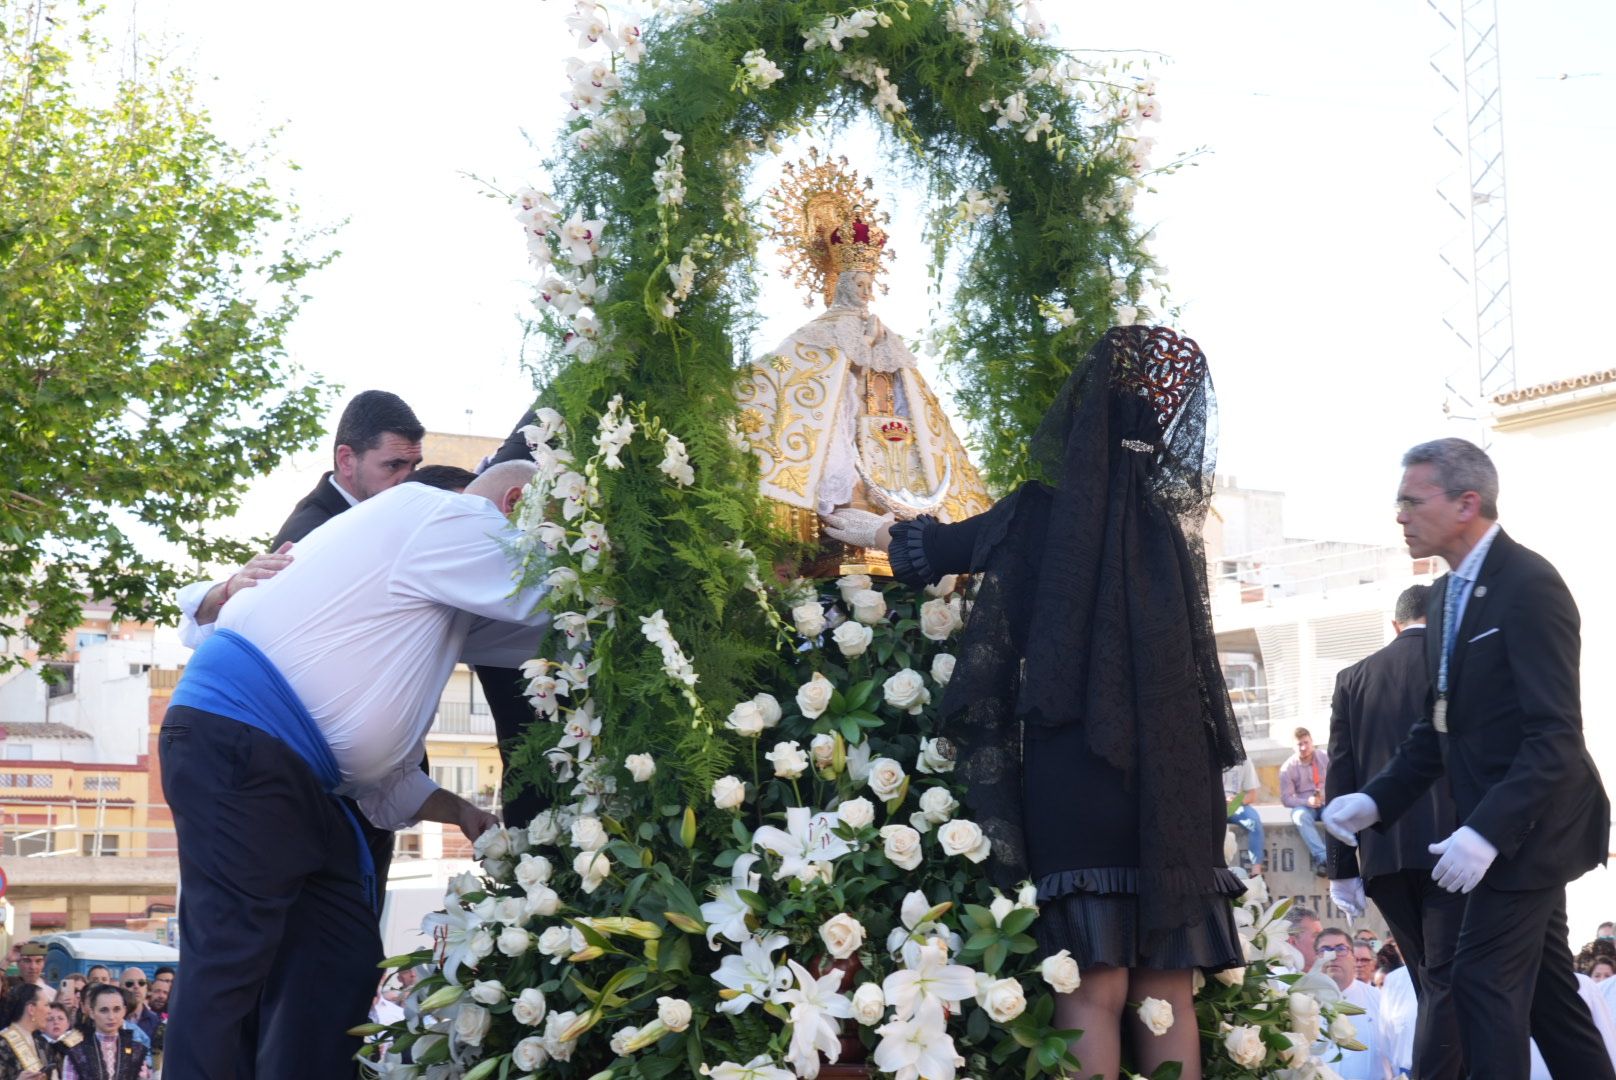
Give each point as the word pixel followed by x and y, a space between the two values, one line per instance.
pixel 103 783
pixel 408 844
pixel 85 638
pixel 109 845
pixel 24 780
pixel 11 751
pixel 458 778
pixel 30 842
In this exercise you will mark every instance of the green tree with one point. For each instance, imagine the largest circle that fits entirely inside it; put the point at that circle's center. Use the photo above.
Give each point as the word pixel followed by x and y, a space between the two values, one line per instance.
pixel 148 276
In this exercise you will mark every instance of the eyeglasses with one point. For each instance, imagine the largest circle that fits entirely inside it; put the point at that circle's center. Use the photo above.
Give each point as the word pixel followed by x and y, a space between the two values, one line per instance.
pixel 1333 950
pixel 1408 503
pixel 134 982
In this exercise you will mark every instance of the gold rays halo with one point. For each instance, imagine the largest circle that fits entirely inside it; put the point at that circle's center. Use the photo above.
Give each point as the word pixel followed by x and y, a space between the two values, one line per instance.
pixel 814 201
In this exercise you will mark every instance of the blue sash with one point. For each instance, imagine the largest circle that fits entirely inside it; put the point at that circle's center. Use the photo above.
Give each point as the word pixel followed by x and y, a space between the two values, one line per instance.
pixel 229 677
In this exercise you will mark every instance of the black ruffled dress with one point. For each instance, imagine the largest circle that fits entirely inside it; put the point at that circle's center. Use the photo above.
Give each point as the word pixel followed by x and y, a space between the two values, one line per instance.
pixel 1087 708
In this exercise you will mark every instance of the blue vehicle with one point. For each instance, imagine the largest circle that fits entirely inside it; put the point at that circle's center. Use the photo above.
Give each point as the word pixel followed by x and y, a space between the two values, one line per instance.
pixel 80 950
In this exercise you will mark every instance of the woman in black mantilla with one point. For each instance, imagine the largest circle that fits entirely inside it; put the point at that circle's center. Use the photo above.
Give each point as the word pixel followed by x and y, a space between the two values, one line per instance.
pixel 1087 708
pixel 25 1053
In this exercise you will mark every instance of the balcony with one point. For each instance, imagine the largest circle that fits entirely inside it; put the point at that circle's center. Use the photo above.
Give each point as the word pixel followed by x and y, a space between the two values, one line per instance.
pixel 459 718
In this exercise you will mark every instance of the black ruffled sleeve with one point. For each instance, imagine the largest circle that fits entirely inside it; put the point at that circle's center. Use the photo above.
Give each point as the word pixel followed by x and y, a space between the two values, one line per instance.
pixel 925 550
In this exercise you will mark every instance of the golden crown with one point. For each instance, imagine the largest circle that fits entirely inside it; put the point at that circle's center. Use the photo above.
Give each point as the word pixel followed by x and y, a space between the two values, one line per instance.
pixel 826 224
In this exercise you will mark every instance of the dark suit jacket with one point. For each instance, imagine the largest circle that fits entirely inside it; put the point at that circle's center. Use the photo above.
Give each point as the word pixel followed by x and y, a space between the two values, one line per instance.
pixel 1520 773
pixel 313 510
pixel 1377 700
pixel 514 448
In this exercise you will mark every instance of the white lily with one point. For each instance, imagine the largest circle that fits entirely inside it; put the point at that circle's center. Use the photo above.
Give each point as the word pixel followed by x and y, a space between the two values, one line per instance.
pixel 807 838
pixel 928 977
pixel 726 913
pixel 752 973
pixel 453 929
pixel 815 1009
pixel 761 1067
pixel 918 1048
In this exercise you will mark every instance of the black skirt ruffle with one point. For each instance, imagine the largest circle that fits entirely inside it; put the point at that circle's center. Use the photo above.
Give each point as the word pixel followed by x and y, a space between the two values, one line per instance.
pixel 1094 914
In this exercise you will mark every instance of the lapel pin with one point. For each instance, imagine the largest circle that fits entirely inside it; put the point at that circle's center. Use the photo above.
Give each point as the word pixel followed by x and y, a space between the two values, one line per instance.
pixel 1481 590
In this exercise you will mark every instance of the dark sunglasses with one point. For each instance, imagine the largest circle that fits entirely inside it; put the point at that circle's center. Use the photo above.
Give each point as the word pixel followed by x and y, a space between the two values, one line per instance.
pixel 134 982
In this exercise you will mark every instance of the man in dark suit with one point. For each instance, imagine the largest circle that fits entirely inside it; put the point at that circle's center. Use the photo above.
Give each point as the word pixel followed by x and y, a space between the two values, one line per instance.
pixel 1376 702
pixel 1504 722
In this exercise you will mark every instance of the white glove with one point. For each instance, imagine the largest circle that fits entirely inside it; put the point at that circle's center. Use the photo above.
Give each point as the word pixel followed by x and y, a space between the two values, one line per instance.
pixel 855 528
pixel 1347 815
pixel 1348 895
pixel 1466 855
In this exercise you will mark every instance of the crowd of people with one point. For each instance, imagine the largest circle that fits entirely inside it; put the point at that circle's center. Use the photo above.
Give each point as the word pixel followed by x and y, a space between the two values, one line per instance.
pixel 88 1026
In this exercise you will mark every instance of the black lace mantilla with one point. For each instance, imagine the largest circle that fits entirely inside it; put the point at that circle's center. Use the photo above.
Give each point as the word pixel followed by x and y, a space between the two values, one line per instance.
pixel 1092 610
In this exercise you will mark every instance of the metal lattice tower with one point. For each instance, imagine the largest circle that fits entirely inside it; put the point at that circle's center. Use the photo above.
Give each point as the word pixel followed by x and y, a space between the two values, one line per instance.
pixel 1472 128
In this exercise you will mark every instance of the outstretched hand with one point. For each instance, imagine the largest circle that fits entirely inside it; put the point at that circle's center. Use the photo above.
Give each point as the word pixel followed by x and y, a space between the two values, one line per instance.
pixel 858 528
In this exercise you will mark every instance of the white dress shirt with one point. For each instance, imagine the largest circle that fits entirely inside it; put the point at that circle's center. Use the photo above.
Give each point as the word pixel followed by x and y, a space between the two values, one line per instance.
pixel 1372 1062
pixel 367 623
pixel 1399 1012
pixel 1591 994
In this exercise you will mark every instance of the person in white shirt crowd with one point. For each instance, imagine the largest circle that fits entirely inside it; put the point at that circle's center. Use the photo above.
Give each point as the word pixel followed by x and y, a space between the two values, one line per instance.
pixel 1334 950
pixel 1241 779
pixel 323 681
pixel 1399 1015
pixel 1604 1022
pixel 1304 932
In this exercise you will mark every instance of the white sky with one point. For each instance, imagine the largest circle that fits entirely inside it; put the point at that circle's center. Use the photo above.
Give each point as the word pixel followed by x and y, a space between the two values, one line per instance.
pixel 1302 247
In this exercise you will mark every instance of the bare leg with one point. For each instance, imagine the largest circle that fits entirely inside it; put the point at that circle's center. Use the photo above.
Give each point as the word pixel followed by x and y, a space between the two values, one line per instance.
pixel 1182 1041
pixel 1096 1008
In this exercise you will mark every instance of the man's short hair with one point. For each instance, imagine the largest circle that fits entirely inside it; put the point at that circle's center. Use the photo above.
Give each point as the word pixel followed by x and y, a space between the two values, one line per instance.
pixel 162 969
pixel 1335 931
pixel 1460 466
pixel 1301 733
pixel 442 477
pixel 375 413
pixel 1411 604
pixel 1300 915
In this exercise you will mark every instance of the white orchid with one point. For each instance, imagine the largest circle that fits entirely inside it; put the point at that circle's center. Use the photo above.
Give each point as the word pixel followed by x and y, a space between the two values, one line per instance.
pixel 751 975
pixel 676 462
pixel 581 238
pixel 807 838
pixel 592 544
pixel 815 1009
pixel 582 727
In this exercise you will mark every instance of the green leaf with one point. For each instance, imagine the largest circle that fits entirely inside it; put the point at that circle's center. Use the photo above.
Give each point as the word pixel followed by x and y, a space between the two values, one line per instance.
pixel 860 694
pixel 1018 921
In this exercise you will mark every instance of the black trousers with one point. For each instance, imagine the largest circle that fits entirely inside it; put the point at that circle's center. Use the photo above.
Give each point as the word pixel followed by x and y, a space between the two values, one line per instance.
pixel 1425 919
pixel 1512 979
pixel 274 923
pixel 504 689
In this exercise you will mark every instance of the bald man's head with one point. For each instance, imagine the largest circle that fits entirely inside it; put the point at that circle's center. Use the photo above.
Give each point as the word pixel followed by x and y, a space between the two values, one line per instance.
pixel 502 484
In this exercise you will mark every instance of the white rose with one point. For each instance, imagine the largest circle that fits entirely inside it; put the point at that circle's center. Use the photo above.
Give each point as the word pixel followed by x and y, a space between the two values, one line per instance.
pixel 640 766
pixel 936 756
pixel 1027 897
pixel 901 845
pixel 489 992
pixel 544 829
pixel 942 668
pixel 514 941
pixel 1296 1054
pixel 852 583
pixel 937 804
pixel 480 944
pixel 461 884
pixel 1004 1000
pixel 1342 1030
pixel 674 1013
pixel 746 719
pixel 939 619
pixel 789 760
pixel 497 869
pixel 907 691
pixel 887 779
pixel 813 697
pixel 822 748
pixel 809 619
pixel 962 837
pixel 869 607
pixel 509 911
pixel 553 1043
pixel 1156 1014
pixel 1000 909
pixel 869 1004
pixel 529 1054
pixel 518 840
pixel 1230 976
pixel 842 935
pixel 1245 1046
pixel 593 867
pixel 588 834
pixel 492 844
pixel 728 793
pixel 769 707
pixel 620 1040
pixel 852 638
pixel 858 813
pixel 1304 1010
pixel 1061 973
pixel 471 1024
pixel 944 586
pixel 529 1006
pixel 541 900
pixel 556 942
pixel 532 871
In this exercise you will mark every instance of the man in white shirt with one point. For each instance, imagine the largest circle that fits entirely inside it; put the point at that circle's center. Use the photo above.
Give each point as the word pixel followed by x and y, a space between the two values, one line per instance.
pixel 1241 779
pixel 323 681
pixel 1334 949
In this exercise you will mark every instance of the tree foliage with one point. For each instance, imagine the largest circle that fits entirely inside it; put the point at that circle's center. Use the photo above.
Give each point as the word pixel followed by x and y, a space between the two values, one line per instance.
pixel 148 275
